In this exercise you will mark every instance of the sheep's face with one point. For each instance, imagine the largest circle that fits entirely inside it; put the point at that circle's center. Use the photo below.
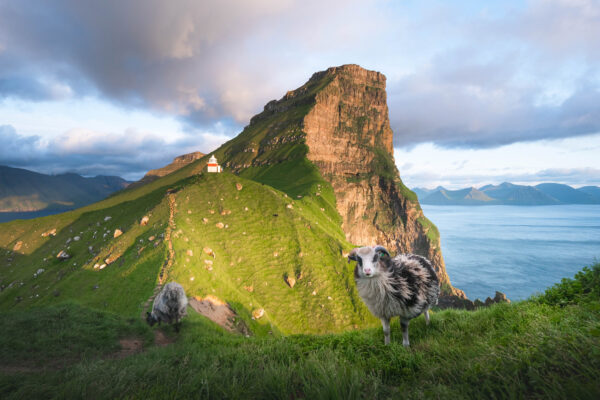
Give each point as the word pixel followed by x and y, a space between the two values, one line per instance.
pixel 370 261
pixel 150 319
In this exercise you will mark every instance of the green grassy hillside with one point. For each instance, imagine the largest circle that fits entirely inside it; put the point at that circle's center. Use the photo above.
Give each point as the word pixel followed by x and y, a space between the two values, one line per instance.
pixel 281 224
pixel 547 347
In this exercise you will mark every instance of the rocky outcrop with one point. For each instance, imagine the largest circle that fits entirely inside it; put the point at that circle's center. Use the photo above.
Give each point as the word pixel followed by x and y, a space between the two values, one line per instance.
pixel 349 138
pixel 339 119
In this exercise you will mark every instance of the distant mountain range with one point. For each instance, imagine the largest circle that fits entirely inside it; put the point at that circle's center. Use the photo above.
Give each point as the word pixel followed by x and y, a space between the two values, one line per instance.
pixel 511 194
pixel 22 190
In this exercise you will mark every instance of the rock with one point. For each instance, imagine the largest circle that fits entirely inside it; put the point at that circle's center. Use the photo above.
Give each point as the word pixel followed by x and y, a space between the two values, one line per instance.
pixel 211 211
pixel 209 251
pixel 314 293
pixel 96 266
pixel 489 302
pixel 249 288
pixel 77 238
pixel 38 272
pixel 18 245
pixel 478 303
pixel 258 313
pixel 151 238
pixel 205 220
pixel 102 266
pixel 117 233
pixel 63 255
pixel 245 208
pixel 144 220
pixel 275 254
pixel 291 281
pixel 208 262
pixel 238 186
pixel 69 240
pixel 220 225
pixel 225 212
pixel 190 253
pixel 453 301
pixel 51 232
pixel 289 206
pixel 501 298
pixel 107 218
pixel 96 287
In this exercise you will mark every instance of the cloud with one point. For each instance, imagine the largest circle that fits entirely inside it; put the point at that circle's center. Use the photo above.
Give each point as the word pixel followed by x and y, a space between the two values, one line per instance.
pixel 129 154
pixel 470 74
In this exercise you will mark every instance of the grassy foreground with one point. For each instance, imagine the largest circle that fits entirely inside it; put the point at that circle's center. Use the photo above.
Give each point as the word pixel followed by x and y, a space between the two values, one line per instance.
pixel 546 347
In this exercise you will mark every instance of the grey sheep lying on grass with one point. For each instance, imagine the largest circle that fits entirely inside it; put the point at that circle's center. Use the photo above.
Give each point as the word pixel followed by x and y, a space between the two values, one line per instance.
pixel 404 286
pixel 169 306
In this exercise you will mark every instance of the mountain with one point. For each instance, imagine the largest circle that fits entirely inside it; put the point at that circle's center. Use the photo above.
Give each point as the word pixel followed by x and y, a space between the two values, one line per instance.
pixel 178 163
pixel 469 196
pixel 23 191
pixel 592 190
pixel 309 178
pixel 511 194
pixel 567 195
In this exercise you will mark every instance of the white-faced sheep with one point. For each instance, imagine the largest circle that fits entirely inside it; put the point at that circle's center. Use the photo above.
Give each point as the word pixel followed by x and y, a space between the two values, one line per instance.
pixel 169 306
pixel 403 286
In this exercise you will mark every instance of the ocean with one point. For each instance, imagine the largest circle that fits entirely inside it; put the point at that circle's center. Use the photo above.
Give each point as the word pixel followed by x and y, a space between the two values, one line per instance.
pixel 518 250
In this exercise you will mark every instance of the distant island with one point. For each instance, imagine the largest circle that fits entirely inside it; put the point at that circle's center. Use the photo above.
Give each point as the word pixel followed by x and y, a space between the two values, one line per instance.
pixel 511 194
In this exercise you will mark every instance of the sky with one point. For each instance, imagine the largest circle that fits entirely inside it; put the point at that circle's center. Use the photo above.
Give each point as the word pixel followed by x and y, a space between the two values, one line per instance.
pixel 478 91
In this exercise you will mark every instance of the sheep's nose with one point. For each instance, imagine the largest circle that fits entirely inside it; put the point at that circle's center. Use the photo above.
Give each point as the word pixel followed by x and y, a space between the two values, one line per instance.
pixel 367 272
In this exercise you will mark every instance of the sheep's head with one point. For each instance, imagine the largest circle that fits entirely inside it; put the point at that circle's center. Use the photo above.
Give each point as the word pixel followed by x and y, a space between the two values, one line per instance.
pixel 370 261
pixel 150 319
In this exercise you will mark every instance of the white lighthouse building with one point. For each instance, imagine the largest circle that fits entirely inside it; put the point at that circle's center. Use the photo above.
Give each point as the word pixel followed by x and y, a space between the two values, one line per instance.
pixel 212 165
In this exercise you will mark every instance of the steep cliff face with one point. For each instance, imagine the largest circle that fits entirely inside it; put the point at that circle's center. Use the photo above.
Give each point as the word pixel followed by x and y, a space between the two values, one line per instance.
pixel 339 121
pixel 349 138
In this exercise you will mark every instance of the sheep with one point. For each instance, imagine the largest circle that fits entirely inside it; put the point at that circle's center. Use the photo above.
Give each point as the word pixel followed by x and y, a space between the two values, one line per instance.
pixel 169 306
pixel 403 286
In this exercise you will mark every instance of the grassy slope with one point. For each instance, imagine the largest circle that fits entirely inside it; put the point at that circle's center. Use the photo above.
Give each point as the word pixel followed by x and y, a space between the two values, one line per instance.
pixel 547 347
pixel 307 240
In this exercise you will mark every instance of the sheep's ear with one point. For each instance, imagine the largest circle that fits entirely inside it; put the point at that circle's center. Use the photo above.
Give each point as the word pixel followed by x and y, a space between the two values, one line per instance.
pixel 382 251
pixel 352 256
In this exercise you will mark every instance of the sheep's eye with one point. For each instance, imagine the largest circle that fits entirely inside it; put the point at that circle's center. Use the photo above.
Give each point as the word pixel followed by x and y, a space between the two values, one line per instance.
pixel 381 254
pixel 376 258
pixel 359 260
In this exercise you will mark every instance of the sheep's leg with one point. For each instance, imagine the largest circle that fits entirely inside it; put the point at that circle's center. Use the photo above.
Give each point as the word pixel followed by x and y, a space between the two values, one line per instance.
pixel 385 322
pixel 427 316
pixel 404 323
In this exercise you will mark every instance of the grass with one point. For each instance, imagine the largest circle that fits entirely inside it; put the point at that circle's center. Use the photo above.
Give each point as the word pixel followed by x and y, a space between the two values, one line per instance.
pixel 524 350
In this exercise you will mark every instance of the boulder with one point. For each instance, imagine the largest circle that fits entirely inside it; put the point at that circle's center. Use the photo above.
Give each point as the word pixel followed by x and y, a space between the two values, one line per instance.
pixel 51 232
pixel 18 245
pixel 291 281
pixel 209 252
pixel 258 313
pixel 117 233
pixel 220 225
pixel 238 186
pixel 144 220
pixel 63 255
pixel 501 298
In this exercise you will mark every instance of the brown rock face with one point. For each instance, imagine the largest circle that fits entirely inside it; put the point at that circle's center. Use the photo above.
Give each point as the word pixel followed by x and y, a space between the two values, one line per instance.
pixel 339 119
pixel 349 138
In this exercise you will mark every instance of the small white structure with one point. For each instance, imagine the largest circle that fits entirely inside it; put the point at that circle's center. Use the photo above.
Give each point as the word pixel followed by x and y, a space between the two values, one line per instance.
pixel 212 165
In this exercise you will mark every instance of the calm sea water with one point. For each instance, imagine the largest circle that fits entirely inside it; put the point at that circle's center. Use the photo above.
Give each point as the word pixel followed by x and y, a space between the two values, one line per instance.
pixel 516 250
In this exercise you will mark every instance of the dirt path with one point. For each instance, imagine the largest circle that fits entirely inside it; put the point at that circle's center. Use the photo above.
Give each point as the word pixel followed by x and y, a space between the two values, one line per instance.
pixel 168 263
